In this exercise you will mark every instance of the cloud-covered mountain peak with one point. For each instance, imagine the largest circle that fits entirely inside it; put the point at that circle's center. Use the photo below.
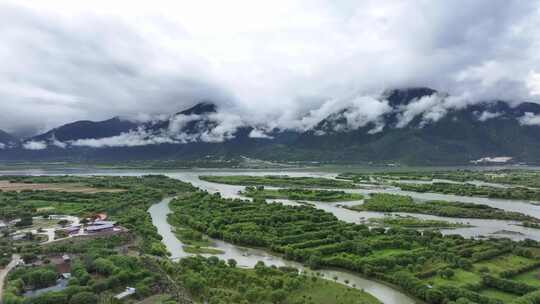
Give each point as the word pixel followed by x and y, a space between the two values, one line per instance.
pixel 404 96
pixel 204 107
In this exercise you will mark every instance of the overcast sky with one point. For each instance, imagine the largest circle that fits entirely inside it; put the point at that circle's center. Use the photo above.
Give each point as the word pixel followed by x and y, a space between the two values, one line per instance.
pixel 266 60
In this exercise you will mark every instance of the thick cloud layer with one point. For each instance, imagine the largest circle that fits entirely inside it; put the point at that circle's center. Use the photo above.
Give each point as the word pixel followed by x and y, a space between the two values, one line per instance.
pixel 281 63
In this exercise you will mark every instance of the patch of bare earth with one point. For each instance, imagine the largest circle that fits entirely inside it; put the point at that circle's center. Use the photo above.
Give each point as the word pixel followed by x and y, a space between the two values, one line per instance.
pixel 8 186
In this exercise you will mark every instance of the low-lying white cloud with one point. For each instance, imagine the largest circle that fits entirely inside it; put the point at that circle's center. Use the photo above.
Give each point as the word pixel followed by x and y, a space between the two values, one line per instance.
pixel 533 83
pixel 487 115
pixel 211 128
pixel 530 119
pixel 136 138
pixel 257 133
pixel 430 108
pixel 35 145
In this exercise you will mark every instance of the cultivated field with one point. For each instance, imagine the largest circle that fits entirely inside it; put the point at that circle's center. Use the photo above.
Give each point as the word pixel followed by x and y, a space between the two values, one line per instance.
pixel 9 186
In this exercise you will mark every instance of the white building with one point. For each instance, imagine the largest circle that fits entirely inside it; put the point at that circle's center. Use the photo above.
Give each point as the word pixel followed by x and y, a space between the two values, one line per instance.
pixel 128 292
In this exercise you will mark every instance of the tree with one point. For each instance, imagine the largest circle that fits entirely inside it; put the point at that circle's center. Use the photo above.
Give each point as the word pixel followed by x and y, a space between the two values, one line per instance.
pixel 446 273
pixel 314 261
pixel 51 298
pixel 232 263
pixel 26 220
pixel 278 296
pixel 195 283
pixel 84 297
pixel 104 266
pixel 434 296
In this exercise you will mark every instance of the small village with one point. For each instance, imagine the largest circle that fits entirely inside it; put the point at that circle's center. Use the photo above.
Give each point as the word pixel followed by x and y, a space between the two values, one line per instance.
pixel 55 228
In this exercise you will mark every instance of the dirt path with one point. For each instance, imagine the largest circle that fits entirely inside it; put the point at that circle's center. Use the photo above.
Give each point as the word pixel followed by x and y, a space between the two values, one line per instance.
pixel 3 272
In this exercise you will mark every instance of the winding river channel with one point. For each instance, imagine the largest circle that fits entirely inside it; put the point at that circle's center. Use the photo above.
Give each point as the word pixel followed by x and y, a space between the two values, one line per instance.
pixel 248 257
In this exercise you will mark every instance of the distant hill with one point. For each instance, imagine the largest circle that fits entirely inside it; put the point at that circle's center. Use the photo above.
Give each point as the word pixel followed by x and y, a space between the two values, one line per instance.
pixel 418 126
pixel 88 129
pixel 6 139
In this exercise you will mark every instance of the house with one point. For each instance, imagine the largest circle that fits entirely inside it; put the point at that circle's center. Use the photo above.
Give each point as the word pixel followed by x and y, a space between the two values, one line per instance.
pixel 126 293
pixel 73 229
pixel 99 228
pixel 96 223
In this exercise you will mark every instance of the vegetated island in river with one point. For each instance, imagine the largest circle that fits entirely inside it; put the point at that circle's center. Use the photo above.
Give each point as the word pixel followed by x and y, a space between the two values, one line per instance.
pixel 284 181
pixel 101 266
pixel 511 193
pixel 462 187
pixel 413 222
pixel 518 177
pixel 435 268
pixel 297 194
pixel 383 202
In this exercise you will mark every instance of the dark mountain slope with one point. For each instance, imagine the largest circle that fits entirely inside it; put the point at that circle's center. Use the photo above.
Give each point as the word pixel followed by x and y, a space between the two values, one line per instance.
pixel 85 129
pixel 6 138
pixel 459 137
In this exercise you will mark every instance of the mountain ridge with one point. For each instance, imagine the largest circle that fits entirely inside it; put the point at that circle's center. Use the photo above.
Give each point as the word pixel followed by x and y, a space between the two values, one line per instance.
pixel 439 133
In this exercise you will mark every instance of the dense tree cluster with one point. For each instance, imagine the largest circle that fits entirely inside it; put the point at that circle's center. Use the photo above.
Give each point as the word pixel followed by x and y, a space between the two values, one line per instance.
pixel 279 181
pixel 383 202
pixel 301 194
pixel 215 281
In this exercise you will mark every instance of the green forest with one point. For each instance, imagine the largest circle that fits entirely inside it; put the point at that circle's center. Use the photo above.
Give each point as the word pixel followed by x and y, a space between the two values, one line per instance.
pixel 279 181
pixel 298 194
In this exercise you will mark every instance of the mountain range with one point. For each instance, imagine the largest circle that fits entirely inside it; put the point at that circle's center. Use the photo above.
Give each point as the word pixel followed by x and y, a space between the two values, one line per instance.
pixel 414 126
